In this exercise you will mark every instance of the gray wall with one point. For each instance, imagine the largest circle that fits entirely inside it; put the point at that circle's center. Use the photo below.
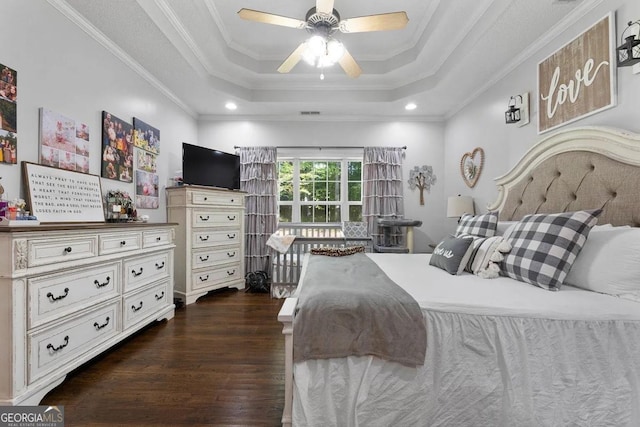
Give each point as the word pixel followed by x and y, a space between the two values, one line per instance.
pixel 424 143
pixel 481 123
pixel 62 68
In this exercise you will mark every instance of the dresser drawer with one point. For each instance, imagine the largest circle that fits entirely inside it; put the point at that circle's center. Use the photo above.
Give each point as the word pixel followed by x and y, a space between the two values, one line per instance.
pixel 221 198
pixel 214 276
pixel 121 242
pixel 57 250
pixel 142 304
pixel 55 295
pixel 156 238
pixel 144 270
pixel 208 218
pixel 213 257
pixel 51 348
pixel 208 238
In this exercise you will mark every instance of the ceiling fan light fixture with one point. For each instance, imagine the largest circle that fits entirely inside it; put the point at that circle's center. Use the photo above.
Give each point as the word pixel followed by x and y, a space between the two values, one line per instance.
pixel 321 52
pixel 322 21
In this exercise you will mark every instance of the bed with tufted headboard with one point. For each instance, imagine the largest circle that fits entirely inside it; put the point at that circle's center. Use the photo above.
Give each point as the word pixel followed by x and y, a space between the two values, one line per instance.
pixel 499 351
pixel 583 168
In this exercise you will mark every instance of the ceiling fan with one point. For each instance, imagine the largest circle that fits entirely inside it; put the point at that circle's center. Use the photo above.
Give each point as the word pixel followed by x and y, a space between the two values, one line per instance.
pixel 322 21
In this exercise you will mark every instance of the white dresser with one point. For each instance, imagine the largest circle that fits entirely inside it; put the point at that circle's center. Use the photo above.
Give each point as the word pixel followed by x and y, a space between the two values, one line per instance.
pixel 70 292
pixel 209 239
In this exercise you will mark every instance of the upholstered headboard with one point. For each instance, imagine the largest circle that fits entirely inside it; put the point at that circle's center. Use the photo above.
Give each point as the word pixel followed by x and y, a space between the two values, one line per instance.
pixel 579 168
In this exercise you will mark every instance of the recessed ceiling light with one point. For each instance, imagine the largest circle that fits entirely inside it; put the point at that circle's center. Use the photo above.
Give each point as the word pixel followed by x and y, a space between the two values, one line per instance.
pixel 231 106
pixel 410 106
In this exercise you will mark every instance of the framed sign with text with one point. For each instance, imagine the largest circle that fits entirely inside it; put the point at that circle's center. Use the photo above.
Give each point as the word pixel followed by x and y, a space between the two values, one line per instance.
pixel 579 78
pixel 59 195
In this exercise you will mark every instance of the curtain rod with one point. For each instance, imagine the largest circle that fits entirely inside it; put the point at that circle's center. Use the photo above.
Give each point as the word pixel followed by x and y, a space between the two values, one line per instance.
pixel 328 147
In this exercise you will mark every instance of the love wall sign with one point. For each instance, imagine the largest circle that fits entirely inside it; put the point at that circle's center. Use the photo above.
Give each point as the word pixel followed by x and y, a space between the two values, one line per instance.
pixel 579 78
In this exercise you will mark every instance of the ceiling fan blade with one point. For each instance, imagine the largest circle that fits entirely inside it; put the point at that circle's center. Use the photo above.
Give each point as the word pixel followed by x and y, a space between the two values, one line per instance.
pixel 382 22
pixel 269 18
pixel 324 6
pixel 349 65
pixel 293 59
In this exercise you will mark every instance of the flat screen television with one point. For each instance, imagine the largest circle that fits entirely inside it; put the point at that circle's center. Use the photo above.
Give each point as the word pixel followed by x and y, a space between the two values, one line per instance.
pixel 205 166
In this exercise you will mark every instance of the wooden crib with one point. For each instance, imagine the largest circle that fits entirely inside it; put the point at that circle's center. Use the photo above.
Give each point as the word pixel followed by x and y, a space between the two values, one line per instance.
pixel 286 267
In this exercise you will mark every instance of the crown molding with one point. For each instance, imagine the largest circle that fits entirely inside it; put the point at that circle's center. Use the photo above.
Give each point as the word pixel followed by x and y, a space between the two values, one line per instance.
pixel 570 19
pixel 319 118
pixel 63 7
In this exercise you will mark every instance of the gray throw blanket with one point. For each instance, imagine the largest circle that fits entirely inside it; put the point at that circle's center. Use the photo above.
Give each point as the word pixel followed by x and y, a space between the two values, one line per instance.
pixel 348 306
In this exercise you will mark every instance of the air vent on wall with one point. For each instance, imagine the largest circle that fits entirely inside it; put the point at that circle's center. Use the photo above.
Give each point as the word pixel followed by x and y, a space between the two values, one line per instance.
pixel 310 113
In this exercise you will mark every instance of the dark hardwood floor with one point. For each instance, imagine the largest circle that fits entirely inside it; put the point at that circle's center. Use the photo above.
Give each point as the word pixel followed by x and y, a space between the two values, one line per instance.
pixel 219 362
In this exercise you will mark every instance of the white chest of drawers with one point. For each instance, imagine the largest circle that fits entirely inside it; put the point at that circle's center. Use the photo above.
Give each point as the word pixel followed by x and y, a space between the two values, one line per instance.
pixel 209 239
pixel 69 292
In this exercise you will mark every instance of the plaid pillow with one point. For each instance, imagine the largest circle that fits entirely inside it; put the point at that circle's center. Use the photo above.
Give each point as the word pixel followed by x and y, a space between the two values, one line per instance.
pixel 544 246
pixel 479 225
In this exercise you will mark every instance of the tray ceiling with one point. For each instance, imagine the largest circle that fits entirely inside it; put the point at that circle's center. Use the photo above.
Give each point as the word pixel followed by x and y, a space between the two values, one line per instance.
pixel 202 54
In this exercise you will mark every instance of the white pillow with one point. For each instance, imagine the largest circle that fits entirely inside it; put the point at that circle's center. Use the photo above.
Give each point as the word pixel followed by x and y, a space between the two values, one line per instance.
pixel 503 226
pixel 609 263
pixel 482 249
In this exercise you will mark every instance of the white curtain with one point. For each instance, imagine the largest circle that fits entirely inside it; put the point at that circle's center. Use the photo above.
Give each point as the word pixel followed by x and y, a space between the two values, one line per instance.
pixel 259 178
pixel 382 190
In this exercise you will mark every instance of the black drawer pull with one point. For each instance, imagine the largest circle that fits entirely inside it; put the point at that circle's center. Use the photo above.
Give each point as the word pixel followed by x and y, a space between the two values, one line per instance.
pixel 136 274
pixel 52 298
pixel 158 238
pixel 122 243
pixel 231 273
pixel 231 200
pixel 205 199
pixel 231 236
pixel 231 218
pixel 61 346
pixel 205 278
pixel 203 259
pixel 203 239
pixel 99 326
pixel 134 308
pixel 231 255
pixel 160 266
pixel 159 297
pixel 67 249
pixel 203 218
pixel 102 285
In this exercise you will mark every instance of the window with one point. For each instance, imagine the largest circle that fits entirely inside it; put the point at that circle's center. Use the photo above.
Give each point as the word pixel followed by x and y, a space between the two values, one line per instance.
pixel 314 190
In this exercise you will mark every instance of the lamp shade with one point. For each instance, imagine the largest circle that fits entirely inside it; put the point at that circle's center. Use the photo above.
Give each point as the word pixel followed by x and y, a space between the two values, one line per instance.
pixel 458 205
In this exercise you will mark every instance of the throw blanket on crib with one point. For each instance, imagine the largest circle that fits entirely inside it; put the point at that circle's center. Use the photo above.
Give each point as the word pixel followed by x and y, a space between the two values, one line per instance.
pixel 347 306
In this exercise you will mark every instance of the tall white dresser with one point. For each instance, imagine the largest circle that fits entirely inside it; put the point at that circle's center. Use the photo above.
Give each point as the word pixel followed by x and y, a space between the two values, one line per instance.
pixel 209 239
pixel 70 292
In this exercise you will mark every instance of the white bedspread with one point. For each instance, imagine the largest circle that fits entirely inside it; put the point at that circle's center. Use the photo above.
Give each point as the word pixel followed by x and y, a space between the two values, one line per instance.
pixel 499 353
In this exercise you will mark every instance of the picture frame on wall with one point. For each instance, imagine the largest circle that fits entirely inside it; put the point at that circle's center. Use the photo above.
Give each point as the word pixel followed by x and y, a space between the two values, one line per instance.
pixel 64 143
pixel 579 79
pixel 146 136
pixel 147 186
pixel 117 148
pixel 8 115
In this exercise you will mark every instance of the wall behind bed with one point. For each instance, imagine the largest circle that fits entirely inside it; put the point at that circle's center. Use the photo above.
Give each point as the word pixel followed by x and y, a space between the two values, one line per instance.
pixel 481 122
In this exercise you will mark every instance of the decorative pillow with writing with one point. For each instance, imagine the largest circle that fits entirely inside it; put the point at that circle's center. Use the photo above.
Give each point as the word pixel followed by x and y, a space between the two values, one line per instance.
pixel 451 254
pixel 609 263
pixel 545 246
pixel 479 225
